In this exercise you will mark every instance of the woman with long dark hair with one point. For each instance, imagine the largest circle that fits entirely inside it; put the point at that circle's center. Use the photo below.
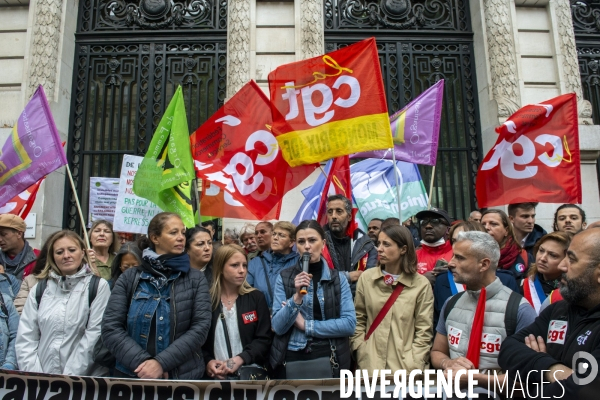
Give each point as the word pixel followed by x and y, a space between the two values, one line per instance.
pixel 405 327
pixel 240 334
pixel 199 246
pixel 313 314
pixel 158 315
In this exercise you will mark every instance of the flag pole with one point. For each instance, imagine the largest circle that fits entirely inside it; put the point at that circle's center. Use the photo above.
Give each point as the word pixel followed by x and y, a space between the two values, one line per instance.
pixel 431 188
pixel 85 234
pixel 196 196
pixel 397 185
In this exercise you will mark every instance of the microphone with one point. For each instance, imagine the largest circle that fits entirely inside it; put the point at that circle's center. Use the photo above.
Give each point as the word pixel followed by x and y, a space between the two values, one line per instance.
pixel 305 261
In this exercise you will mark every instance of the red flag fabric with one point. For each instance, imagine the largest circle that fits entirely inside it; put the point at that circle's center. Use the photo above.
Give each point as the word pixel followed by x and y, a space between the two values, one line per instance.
pixel 333 105
pixel 236 151
pixel 218 203
pixel 337 182
pixel 536 157
pixel 21 204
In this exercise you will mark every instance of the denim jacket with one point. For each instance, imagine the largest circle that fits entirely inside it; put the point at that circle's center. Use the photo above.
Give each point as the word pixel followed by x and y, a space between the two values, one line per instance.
pixel 148 302
pixel 284 316
pixel 9 285
pixel 9 325
pixel 274 263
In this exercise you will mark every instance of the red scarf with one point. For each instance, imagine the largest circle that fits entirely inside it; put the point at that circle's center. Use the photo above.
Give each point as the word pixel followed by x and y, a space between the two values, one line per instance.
pixel 475 338
pixel 508 254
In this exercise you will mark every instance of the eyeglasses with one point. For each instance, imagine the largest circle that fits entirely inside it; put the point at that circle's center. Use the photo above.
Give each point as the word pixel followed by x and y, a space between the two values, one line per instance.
pixel 280 235
pixel 432 221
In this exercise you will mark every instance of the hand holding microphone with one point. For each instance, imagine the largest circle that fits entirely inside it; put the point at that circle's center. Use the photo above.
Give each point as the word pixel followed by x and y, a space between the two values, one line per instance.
pixel 305 262
pixel 302 280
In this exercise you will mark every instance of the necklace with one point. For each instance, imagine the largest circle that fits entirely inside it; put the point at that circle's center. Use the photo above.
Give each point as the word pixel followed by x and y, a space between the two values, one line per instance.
pixel 229 301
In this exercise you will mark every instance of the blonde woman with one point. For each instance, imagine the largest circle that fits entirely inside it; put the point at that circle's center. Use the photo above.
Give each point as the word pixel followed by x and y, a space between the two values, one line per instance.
pixel 240 335
pixel 61 324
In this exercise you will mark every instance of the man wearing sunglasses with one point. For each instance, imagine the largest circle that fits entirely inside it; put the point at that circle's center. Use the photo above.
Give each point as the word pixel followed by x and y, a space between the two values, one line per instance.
pixel 434 224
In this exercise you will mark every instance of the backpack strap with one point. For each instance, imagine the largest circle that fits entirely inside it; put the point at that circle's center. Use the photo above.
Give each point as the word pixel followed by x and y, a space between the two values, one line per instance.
pixel 511 313
pixel 451 303
pixel 93 289
pixel 39 290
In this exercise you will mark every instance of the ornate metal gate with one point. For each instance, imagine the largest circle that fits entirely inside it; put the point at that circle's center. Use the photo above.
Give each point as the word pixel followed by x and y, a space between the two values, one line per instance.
pixel 129 59
pixel 586 24
pixel 420 42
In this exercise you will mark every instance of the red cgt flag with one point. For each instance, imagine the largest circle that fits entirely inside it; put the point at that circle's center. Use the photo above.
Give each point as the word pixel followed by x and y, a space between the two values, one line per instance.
pixel 218 203
pixel 21 204
pixel 536 157
pixel 236 151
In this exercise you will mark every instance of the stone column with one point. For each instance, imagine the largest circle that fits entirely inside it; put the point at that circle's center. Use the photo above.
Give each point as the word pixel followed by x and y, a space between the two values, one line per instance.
pixel 45 47
pixel 567 59
pixel 309 18
pixel 502 56
pixel 238 45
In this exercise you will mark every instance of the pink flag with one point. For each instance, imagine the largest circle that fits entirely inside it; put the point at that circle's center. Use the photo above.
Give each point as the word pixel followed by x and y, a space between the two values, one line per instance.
pixel 32 150
pixel 415 129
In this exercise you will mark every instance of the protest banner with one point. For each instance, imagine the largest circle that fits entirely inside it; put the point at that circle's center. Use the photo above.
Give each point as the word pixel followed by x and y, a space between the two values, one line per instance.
pixel 103 199
pixel 236 151
pixel 32 150
pixel 374 190
pixel 167 170
pixel 536 157
pixel 132 212
pixel 331 105
pixel 415 129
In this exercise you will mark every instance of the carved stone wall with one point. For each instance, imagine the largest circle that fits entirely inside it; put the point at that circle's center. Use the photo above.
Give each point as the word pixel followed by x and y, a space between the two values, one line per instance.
pixel 311 28
pixel 570 65
pixel 502 56
pixel 238 45
pixel 46 37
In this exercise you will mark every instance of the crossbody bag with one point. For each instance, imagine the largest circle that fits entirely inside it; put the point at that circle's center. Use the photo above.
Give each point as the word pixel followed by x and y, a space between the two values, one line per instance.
pixel 245 372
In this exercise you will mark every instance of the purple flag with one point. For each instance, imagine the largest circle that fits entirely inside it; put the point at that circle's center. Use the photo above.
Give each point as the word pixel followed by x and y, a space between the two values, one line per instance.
pixel 32 150
pixel 415 129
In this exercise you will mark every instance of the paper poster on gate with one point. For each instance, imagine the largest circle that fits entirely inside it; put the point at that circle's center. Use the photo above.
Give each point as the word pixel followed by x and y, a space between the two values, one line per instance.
pixel 132 213
pixel 103 199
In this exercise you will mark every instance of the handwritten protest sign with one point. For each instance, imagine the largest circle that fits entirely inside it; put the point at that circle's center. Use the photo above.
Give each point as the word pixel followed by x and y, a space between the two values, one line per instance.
pixel 133 213
pixel 103 199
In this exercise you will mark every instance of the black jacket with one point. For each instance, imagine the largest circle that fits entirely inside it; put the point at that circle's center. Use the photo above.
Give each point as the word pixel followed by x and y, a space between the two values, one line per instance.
pixel 255 333
pixel 582 333
pixel 190 322
pixel 535 235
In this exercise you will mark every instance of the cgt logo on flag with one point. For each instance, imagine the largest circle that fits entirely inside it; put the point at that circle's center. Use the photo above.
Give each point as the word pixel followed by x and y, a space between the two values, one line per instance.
pixel 535 158
pixel 330 106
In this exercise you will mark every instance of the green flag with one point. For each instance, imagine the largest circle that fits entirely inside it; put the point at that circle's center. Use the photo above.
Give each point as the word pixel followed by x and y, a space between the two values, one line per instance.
pixel 165 175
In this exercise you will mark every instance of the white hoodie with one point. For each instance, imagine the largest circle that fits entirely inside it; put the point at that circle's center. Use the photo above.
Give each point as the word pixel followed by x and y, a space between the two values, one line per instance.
pixel 59 338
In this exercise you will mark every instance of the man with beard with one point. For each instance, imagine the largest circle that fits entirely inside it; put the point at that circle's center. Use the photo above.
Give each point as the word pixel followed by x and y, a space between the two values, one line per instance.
pixel 248 238
pixel 434 224
pixel 349 255
pixel 564 341
pixel 569 218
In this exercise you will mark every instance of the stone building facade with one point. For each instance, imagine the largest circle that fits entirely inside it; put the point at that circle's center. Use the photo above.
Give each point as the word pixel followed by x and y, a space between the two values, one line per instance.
pixel 519 51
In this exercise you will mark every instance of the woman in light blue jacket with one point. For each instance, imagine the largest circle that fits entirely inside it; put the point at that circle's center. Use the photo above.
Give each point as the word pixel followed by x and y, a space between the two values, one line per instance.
pixel 9 324
pixel 264 270
pixel 312 327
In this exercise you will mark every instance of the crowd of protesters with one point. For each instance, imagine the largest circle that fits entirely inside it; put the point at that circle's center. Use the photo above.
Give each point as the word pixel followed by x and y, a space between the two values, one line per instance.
pixel 306 301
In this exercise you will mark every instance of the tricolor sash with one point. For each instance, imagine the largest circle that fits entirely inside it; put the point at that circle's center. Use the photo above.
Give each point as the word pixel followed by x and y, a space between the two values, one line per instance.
pixel 533 292
pixel 455 287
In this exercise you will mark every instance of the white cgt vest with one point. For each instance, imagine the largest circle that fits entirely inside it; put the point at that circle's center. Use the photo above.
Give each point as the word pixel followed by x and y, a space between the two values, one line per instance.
pixel 460 323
